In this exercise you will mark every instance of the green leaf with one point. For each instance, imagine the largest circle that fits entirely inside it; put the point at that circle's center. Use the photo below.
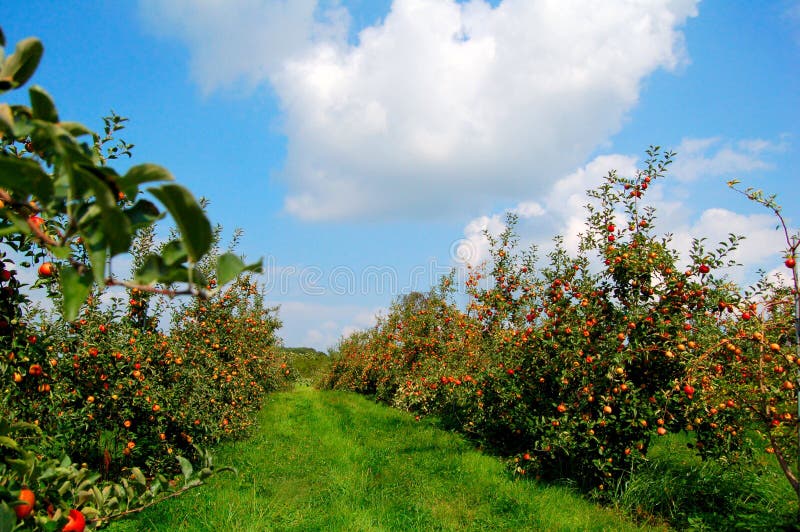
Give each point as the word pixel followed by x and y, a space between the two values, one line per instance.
pixel 174 252
pixel 89 215
pixel 6 119
pixel 15 228
pixel 142 173
pixel 142 214
pixel 150 271
pixel 84 496
pixel 98 257
pixel 192 222
pixel 186 467
pixel 94 241
pixel 76 129
pixel 24 425
pixel 20 66
pixel 255 267
pixel 75 288
pixel 98 496
pixel 62 253
pixel 26 177
pixel 43 106
pixel 7 442
pixel 153 269
pixel 117 229
pixel 22 467
pixel 90 513
pixel 229 266
pixel 198 278
pixel 8 519
pixel 104 225
pixel 103 181
pixel 155 488
pixel 138 476
pixel 65 487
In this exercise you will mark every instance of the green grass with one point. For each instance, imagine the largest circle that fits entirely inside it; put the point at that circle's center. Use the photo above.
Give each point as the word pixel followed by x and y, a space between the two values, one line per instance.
pixel 676 485
pixel 337 461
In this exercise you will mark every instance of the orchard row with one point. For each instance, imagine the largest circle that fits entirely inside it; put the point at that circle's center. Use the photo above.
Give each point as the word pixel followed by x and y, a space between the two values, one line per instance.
pixel 107 404
pixel 571 366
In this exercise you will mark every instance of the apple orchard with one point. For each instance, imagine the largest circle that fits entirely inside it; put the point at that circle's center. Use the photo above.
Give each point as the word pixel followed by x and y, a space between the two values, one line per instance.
pixel 568 366
pixel 572 366
pixel 104 413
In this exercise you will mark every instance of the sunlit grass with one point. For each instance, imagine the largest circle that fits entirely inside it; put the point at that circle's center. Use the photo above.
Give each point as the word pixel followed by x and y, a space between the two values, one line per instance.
pixel 337 461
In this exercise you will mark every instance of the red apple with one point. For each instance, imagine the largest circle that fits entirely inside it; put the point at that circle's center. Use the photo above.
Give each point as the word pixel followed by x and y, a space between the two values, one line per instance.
pixel 47 269
pixel 76 522
pixel 24 510
pixel 36 221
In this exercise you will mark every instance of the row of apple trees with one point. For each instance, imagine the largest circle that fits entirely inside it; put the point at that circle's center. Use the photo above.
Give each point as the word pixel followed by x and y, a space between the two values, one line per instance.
pixel 108 400
pixel 572 365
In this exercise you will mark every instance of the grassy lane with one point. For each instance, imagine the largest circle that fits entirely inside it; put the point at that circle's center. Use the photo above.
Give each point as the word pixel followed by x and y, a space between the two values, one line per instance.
pixel 336 461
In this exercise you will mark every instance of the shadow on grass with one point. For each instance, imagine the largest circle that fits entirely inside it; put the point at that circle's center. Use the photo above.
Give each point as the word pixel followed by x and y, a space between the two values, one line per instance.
pixel 692 494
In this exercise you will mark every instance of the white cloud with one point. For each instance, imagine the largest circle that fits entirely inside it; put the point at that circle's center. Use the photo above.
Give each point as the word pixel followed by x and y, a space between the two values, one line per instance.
pixel 780 275
pixel 529 209
pixel 567 201
pixel 562 212
pixel 712 157
pixel 319 325
pixel 443 107
pixel 762 244
pixel 242 41
pixel 473 249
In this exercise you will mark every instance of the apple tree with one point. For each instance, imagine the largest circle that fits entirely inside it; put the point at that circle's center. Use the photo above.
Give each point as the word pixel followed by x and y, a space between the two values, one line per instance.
pixel 64 208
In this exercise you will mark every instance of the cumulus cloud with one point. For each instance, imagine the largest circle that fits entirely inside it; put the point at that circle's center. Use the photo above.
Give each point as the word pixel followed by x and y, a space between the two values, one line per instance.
pixel 320 325
pixel 473 249
pixel 562 212
pixel 713 157
pixel 242 41
pixel 780 275
pixel 443 107
pixel 761 246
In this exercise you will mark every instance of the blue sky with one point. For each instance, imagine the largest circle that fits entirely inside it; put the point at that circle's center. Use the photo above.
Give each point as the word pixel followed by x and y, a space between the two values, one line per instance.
pixel 364 145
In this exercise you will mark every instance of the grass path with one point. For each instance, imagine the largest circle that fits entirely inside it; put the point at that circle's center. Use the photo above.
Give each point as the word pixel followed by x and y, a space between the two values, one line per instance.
pixel 336 461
